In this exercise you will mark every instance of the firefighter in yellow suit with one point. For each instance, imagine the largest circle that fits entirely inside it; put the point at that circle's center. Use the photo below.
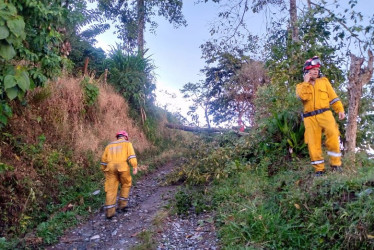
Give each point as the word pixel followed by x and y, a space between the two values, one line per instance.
pixel 317 95
pixel 115 163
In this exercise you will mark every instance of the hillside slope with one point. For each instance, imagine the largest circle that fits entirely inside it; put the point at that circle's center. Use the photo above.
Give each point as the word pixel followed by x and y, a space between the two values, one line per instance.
pixel 51 148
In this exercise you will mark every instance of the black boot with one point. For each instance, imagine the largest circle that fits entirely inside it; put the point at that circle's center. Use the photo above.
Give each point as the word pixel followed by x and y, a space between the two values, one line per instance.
pixel 123 210
pixel 320 173
pixel 336 169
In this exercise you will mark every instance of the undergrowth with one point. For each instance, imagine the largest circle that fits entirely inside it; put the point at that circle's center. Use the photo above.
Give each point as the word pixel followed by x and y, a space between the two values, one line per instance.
pixel 264 198
pixel 54 192
pixel 294 210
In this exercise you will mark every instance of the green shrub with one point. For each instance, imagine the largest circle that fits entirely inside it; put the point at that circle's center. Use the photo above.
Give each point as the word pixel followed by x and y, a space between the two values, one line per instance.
pixel 183 202
pixel 91 92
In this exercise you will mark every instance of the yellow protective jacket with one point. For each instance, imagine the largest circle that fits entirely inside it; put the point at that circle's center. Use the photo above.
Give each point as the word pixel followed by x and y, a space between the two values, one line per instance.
pixel 119 153
pixel 319 96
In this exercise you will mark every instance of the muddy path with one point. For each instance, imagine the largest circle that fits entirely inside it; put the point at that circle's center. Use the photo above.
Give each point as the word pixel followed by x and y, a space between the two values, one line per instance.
pixel 147 198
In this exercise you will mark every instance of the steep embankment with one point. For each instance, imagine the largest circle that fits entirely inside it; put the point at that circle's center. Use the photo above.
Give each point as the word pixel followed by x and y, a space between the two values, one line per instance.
pixel 50 150
pixel 59 112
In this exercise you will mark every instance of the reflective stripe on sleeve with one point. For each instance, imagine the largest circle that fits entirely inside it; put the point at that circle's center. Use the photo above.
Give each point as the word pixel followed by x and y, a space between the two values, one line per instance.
pixel 317 162
pixel 131 156
pixel 103 163
pixel 334 100
pixel 334 154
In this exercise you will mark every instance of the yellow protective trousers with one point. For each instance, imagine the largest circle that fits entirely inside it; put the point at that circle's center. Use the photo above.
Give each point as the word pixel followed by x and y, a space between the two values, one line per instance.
pixel 314 126
pixel 115 163
pixel 112 179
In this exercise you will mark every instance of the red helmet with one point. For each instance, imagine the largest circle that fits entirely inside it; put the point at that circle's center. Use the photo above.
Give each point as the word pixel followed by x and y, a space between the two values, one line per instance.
pixel 311 63
pixel 122 133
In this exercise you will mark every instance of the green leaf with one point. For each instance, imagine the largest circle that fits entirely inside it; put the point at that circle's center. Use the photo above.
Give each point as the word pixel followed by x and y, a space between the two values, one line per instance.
pixel 4 32
pixel 7 110
pixel 9 81
pixel 7 51
pixel 11 9
pixel 9 70
pixel 16 26
pixel 23 81
pixel 3 119
pixel 21 95
pixel 14 41
pixel 12 93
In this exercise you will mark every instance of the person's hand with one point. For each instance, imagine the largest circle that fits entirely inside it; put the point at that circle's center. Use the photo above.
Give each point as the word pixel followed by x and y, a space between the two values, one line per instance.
pixel 307 77
pixel 341 115
pixel 135 171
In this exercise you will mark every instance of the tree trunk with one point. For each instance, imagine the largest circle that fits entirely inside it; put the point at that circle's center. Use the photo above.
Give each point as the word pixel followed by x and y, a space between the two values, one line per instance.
pixel 357 77
pixel 143 115
pixel 105 76
pixel 141 26
pixel 206 116
pixel 309 4
pixel 85 67
pixel 293 21
pixel 240 122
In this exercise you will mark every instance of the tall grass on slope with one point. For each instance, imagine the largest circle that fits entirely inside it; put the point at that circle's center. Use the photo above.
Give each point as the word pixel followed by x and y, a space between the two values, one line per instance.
pixel 58 111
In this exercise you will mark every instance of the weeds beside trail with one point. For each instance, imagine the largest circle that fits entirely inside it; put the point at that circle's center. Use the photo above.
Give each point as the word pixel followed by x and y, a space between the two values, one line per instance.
pixel 268 200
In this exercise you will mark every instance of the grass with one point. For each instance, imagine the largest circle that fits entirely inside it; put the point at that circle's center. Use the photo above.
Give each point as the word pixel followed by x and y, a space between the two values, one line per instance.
pixel 54 194
pixel 285 208
pixel 147 240
pixel 295 210
pixel 148 237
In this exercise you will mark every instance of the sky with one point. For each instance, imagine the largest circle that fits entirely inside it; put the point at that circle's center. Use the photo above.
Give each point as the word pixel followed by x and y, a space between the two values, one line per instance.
pixel 176 53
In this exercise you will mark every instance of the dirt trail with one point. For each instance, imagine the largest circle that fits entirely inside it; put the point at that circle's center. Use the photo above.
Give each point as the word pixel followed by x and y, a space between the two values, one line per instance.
pixel 146 198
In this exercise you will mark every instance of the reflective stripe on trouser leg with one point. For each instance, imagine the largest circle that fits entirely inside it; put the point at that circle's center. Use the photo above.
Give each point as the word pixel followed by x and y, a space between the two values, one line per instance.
pixel 110 210
pixel 111 188
pixel 123 202
pixel 313 137
pixel 317 164
pixel 331 130
pixel 126 181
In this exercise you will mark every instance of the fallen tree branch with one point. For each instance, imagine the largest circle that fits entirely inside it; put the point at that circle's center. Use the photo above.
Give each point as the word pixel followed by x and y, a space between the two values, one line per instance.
pixel 206 130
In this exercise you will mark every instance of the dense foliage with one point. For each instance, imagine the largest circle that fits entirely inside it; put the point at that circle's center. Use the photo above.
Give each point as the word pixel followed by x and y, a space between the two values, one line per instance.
pixel 29 51
pixel 33 51
pixel 132 77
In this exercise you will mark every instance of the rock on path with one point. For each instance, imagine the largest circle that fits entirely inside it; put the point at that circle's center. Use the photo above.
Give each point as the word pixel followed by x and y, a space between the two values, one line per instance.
pixel 192 232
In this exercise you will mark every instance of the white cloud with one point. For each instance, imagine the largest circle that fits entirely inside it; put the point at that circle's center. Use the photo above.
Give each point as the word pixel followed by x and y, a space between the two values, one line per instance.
pixel 171 99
